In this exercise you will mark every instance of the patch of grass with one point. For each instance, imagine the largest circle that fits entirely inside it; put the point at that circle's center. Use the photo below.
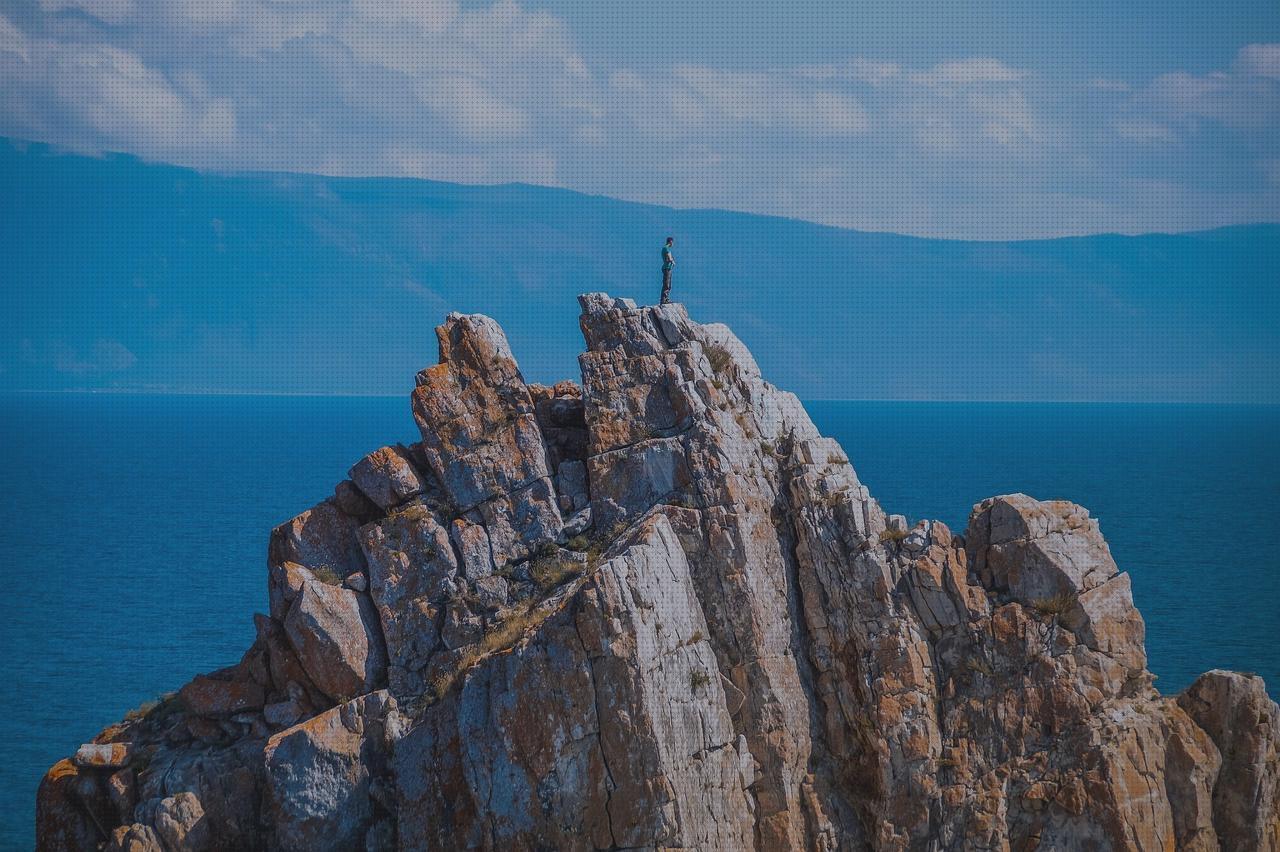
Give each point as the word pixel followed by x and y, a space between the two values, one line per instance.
pixel 553 571
pixel 767 449
pixel 594 546
pixel 890 534
pixel 717 384
pixel 696 637
pixel 154 711
pixel 1056 606
pixel 326 575
pixel 697 680
pixel 503 637
pixel 718 356
pixel 977 664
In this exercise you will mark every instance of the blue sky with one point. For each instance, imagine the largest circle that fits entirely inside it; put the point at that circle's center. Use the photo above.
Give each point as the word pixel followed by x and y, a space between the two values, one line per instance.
pixel 984 120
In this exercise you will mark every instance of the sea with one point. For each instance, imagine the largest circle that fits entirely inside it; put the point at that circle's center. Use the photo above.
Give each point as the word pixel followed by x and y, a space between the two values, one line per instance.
pixel 134 529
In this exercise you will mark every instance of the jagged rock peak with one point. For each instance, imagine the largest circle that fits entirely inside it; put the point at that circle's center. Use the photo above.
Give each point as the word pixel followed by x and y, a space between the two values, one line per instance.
pixel 657 609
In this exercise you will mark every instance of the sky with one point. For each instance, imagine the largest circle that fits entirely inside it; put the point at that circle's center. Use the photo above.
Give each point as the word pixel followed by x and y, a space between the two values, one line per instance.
pixel 984 120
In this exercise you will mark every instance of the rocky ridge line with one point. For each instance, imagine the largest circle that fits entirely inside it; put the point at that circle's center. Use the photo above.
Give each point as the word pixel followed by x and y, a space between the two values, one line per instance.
pixel 659 610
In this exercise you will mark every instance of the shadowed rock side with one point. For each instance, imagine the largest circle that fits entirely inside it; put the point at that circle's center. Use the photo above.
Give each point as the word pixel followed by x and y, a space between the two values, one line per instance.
pixel 658 610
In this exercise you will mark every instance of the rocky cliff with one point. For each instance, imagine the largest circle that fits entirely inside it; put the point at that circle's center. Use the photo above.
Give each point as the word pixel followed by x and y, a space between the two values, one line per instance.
pixel 659 610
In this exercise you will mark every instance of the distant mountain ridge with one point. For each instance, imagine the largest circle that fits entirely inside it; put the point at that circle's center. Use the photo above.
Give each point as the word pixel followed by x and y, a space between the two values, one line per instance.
pixel 128 275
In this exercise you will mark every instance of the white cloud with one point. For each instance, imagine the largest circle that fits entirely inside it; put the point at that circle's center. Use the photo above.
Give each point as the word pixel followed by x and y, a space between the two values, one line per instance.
pixel 1006 117
pixel 873 72
pixel 205 14
pixel 829 112
pixel 429 15
pixel 474 111
pixel 13 40
pixel 1245 96
pixel 111 91
pixel 967 72
pixel 730 99
pixel 1143 130
pixel 113 12
pixel 1103 84
pixel 859 70
pixel 1262 60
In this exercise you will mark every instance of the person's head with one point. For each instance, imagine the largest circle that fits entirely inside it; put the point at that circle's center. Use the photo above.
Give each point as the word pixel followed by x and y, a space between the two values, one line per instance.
pixel 671 241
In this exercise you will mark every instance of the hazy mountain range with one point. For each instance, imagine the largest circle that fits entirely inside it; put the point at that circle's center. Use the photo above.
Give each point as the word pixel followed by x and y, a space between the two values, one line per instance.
pixel 127 275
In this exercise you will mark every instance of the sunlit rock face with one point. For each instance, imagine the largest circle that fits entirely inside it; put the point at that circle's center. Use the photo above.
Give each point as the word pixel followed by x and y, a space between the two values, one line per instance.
pixel 657 609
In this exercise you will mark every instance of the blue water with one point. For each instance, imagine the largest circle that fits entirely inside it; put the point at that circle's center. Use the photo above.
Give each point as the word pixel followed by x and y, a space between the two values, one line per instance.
pixel 135 527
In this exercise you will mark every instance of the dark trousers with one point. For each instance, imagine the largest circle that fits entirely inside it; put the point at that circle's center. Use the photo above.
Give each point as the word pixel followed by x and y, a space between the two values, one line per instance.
pixel 666 286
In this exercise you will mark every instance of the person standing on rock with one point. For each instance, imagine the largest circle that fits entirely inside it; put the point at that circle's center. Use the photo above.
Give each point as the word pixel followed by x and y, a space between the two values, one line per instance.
pixel 668 264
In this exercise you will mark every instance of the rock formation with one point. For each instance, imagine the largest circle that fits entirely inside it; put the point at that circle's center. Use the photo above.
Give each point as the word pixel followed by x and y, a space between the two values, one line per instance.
pixel 659 610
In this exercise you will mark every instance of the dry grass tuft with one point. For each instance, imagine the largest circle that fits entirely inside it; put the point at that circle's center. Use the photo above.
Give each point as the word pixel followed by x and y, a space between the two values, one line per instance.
pixel 505 636
pixel 157 710
pixel 326 575
pixel 718 356
pixel 1057 605
pixel 551 572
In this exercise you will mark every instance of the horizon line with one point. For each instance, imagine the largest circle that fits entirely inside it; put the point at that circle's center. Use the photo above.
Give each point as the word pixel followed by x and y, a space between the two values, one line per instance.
pixel 806 400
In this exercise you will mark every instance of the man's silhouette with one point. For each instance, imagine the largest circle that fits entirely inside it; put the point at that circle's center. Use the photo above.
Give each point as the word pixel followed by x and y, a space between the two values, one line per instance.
pixel 668 264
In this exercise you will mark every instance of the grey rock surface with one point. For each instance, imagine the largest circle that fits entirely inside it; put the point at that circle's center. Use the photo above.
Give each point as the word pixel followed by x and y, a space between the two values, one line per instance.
pixel 338 639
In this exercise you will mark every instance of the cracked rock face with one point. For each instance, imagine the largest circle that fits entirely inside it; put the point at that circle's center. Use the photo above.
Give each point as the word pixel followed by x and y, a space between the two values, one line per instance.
pixel 659 610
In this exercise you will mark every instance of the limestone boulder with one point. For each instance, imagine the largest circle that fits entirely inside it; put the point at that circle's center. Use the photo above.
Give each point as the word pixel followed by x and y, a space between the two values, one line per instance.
pixel 388 477
pixel 103 755
pixel 519 524
pixel 181 824
pixel 1038 549
pixel 284 584
pixel 135 838
pixel 338 640
pixel 353 502
pixel 320 773
pixel 480 434
pixel 322 540
pixel 1051 555
pixel 223 693
pixel 472 545
pixel 1244 724
pixel 571 485
pixel 413 572
pixel 65 818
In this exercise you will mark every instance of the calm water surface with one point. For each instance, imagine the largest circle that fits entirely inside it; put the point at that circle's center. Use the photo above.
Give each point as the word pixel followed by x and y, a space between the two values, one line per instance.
pixel 135 529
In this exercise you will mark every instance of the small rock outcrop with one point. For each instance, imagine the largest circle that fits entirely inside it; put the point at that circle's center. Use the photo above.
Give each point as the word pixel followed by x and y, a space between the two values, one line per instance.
pixel 659 610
